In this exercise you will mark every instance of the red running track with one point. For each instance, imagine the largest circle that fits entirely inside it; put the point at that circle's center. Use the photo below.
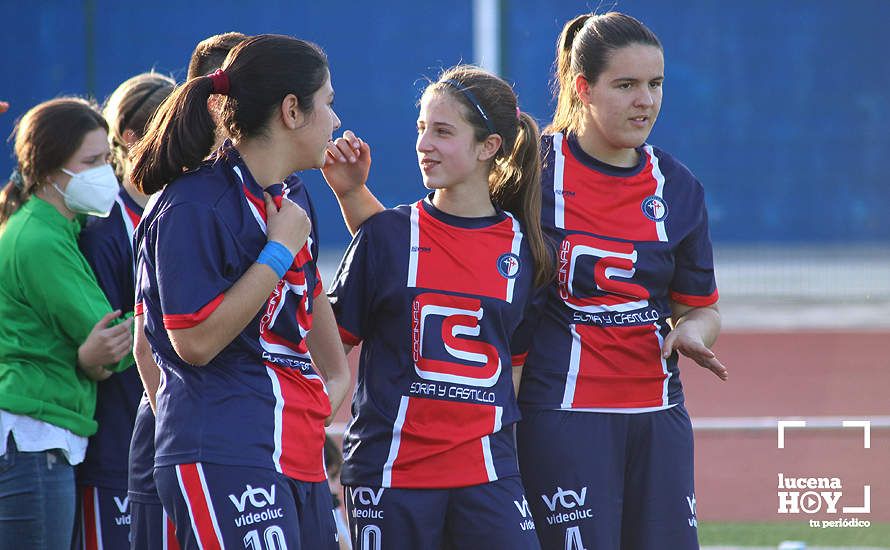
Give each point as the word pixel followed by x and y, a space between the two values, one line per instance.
pixel 786 374
pixel 792 374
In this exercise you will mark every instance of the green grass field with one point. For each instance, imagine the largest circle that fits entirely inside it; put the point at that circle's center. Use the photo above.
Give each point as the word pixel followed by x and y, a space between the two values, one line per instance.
pixel 771 534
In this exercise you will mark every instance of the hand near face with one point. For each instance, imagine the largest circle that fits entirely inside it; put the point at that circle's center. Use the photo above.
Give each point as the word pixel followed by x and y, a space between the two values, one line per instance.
pixel 347 163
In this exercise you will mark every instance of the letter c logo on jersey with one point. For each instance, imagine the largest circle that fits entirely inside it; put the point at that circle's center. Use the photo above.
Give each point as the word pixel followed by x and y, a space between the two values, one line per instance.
pixel 593 275
pixel 480 364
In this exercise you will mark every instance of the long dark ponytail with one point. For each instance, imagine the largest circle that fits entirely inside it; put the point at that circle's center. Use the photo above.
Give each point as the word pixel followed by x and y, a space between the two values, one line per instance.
pixel 259 72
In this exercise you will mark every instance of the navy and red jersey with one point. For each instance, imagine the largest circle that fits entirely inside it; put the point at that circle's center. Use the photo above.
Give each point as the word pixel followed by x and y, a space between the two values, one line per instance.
pixel 629 241
pixel 106 244
pixel 259 402
pixel 439 303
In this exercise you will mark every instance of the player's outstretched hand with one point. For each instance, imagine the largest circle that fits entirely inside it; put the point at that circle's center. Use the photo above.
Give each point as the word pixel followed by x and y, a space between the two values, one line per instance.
pixel 4 106
pixel 347 162
pixel 689 343
pixel 289 225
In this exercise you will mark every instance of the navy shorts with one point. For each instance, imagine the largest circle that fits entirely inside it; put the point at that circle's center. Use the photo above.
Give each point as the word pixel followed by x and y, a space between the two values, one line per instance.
pixel 254 508
pixel 103 518
pixel 150 527
pixel 491 516
pixel 610 481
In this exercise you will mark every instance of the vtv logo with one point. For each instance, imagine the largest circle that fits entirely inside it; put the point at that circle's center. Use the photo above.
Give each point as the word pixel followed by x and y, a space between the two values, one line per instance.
pixel 568 499
pixel 523 508
pixel 258 498
pixel 611 259
pixel 692 520
pixel 366 496
pixel 461 316
pixel 122 505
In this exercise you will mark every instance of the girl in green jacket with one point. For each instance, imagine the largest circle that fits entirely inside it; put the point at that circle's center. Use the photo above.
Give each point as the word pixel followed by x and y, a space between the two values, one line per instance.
pixel 58 334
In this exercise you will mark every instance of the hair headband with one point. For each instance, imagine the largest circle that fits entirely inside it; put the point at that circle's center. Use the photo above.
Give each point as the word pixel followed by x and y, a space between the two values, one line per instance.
pixel 220 82
pixel 125 122
pixel 473 101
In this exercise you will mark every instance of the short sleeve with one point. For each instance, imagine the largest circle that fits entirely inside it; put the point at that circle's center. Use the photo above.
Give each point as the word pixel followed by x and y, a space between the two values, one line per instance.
pixel 352 292
pixel 194 263
pixel 521 339
pixel 694 283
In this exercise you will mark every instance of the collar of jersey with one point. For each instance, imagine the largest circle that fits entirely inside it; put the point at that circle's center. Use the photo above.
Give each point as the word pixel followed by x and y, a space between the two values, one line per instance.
pixel 128 200
pixel 459 221
pixel 595 164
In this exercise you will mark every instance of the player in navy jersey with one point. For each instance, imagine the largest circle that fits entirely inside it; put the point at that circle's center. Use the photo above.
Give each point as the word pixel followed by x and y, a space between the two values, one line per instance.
pixel 439 293
pixel 150 527
pixel 605 444
pixel 103 505
pixel 232 305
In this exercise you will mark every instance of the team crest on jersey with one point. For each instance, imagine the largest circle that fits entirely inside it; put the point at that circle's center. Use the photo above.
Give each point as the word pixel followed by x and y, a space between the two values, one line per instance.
pixel 508 265
pixel 655 208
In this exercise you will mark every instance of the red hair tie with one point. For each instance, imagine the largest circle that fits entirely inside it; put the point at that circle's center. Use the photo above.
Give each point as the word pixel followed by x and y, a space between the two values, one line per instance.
pixel 220 82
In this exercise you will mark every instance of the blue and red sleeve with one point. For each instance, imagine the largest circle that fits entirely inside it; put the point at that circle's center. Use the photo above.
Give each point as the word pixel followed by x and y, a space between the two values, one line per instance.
pixel 694 283
pixel 352 292
pixel 194 263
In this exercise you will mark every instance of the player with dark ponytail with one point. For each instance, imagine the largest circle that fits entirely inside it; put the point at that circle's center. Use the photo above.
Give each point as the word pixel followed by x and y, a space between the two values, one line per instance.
pixel 232 304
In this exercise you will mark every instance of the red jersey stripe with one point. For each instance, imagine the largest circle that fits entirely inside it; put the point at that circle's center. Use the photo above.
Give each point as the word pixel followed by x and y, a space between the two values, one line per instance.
pixel 300 419
pixel 188 320
pixel 433 439
pixel 695 301
pixel 90 521
pixel 169 541
pixel 348 338
pixel 199 505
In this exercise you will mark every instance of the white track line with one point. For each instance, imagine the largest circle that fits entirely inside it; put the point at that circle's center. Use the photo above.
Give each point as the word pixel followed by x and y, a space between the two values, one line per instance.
pixel 760 423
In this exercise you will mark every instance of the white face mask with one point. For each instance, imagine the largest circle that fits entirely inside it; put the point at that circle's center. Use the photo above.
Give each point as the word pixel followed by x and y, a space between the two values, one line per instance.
pixel 92 191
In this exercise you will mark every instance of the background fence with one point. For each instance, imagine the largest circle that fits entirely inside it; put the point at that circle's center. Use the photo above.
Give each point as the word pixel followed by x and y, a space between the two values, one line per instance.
pixel 779 107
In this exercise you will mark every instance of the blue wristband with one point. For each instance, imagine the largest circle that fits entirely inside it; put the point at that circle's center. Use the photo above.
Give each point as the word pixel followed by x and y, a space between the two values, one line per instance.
pixel 276 256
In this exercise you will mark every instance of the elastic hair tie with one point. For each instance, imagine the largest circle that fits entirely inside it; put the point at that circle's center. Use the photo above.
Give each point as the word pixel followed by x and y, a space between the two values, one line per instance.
pixel 473 101
pixel 518 113
pixel 15 177
pixel 220 82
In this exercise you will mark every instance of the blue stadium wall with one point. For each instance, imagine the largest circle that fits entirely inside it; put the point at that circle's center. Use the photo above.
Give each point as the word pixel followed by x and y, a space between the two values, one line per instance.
pixel 780 107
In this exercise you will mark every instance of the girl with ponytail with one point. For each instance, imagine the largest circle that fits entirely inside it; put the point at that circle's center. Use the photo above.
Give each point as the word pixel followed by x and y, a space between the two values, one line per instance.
pixel 602 403
pixel 441 294
pixel 231 301
pixel 604 428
